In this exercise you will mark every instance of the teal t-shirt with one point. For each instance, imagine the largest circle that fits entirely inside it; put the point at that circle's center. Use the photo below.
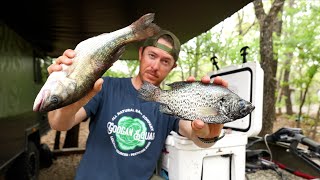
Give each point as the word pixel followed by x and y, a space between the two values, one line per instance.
pixel 127 134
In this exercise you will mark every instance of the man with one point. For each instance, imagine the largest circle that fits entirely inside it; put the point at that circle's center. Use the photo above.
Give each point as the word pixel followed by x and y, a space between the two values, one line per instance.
pixel 127 134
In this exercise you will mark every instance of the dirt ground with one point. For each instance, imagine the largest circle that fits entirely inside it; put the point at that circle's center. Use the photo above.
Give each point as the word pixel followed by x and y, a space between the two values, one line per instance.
pixel 283 121
pixel 64 167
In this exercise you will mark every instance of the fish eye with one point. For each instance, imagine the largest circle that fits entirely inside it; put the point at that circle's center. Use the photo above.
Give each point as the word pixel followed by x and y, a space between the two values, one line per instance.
pixel 242 104
pixel 222 100
pixel 54 99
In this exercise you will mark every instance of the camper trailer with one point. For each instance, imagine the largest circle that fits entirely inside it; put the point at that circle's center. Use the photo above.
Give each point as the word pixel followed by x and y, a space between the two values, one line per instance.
pixel 20 127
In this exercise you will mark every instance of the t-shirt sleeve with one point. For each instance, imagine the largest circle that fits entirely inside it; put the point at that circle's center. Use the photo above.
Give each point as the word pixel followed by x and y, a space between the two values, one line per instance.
pixel 175 123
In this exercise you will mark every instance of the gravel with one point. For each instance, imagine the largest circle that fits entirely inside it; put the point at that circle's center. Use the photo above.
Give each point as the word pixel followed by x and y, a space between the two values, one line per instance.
pixel 63 168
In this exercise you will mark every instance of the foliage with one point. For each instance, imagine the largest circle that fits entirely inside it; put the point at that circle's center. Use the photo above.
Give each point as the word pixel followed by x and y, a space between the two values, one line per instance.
pixel 123 68
pixel 219 42
pixel 303 41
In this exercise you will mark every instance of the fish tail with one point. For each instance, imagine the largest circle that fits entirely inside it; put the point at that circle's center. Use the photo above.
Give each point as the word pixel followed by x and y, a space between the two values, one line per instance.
pixel 144 28
pixel 149 92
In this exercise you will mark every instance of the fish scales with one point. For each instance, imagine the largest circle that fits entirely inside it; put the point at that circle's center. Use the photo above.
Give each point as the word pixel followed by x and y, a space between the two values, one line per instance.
pixel 93 57
pixel 99 57
pixel 208 102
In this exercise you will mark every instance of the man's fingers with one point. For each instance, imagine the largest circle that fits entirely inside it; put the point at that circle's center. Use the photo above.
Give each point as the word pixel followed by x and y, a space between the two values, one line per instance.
pixel 219 81
pixel 205 79
pixel 98 85
pixel 215 129
pixel 200 128
pixel 63 60
pixel 197 124
pixel 66 59
pixel 69 53
pixel 54 67
pixel 96 88
pixel 191 79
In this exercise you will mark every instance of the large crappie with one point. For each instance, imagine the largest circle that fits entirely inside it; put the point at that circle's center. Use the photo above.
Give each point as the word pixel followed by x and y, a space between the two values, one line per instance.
pixel 93 57
pixel 196 100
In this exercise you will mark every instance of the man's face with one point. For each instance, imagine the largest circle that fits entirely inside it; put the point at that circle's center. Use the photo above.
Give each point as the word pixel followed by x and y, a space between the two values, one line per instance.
pixel 155 63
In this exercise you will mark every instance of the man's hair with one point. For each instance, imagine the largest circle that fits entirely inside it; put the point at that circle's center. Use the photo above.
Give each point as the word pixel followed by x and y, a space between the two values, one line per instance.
pixel 167 38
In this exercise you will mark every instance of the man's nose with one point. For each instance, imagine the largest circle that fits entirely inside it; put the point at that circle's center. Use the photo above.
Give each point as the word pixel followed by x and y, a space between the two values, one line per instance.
pixel 156 65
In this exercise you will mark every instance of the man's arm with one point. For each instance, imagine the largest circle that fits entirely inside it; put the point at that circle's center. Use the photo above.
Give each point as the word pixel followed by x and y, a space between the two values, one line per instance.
pixel 198 129
pixel 66 117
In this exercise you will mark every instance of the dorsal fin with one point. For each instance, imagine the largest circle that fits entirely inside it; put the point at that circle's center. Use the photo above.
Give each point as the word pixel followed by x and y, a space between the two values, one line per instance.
pixel 178 84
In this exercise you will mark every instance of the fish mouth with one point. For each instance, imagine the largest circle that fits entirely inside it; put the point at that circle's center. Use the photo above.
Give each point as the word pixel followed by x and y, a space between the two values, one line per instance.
pixel 247 109
pixel 39 106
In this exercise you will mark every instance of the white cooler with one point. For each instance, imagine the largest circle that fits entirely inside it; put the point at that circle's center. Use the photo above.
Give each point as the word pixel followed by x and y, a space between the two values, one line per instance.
pixel 183 160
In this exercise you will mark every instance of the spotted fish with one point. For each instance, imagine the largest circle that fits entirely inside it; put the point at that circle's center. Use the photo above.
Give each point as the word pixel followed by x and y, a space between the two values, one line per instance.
pixel 196 100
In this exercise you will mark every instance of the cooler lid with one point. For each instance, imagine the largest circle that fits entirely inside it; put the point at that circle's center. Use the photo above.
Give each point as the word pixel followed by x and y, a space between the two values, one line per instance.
pixel 246 80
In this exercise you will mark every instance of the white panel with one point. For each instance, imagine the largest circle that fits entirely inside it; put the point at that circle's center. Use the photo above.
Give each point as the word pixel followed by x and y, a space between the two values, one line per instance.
pixel 216 167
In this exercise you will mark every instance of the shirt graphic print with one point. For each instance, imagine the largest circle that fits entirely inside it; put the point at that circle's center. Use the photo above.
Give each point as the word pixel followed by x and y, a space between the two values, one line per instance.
pixel 131 132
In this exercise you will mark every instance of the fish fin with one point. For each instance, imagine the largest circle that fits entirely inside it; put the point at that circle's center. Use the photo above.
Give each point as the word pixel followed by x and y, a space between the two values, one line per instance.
pixel 115 56
pixel 144 28
pixel 118 54
pixel 178 84
pixel 165 109
pixel 219 119
pixel 149 92
pixel 207 111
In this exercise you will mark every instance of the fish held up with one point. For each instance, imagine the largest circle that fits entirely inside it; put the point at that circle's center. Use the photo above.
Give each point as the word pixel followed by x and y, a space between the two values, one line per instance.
pixel 195 100
pixel 94 56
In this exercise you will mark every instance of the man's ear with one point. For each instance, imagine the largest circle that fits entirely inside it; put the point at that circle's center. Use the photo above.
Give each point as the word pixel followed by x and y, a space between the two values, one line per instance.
pixel 140 53
pixel 175 65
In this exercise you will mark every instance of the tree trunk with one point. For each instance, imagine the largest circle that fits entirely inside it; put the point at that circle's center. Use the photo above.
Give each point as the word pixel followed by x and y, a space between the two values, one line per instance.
pixel 287 64
pixel 314 132
pixel 304 95
pixel 286 85
pixel 280 92
pixel 268 63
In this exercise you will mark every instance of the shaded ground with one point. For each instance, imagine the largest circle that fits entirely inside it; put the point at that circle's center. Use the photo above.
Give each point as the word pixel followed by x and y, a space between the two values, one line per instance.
pixel 64 167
